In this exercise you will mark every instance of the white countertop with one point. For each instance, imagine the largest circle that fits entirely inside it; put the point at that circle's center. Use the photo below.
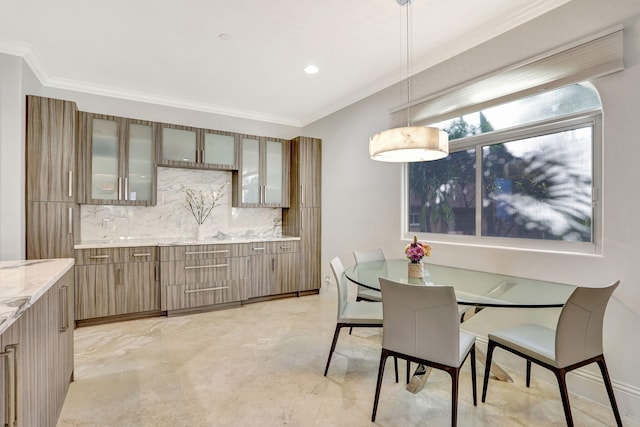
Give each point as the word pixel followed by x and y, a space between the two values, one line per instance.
pixel 23 282
pixel 128 243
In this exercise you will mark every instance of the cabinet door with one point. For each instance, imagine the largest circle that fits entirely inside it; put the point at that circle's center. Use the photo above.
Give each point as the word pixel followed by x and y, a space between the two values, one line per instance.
pixel 250 181
pixel 11 378
pixel 260 279
pixel 286 272
pixel 220 150
pixel 179 146
pixel 51 160
pixel 51 227
pixel 95 291
pixel 273 172
pixel 106 179
pixel 310 172
pixel 139 291
pixel 310 259
pixel 140 179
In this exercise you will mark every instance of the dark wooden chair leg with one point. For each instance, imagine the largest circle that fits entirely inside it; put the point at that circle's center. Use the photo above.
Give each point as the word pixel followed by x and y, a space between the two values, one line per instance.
pixel 473 375
pixel 383 358
pixel 333 347
pixel 487 368
pixel 564 395
pixel 455 375
pixel 408 371
pixel 350 330
pixel 528 373
pixel 607 384
pixel 395 365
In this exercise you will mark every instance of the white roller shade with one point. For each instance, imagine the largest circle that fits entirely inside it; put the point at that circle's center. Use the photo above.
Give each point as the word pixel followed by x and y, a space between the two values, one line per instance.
pixel 596 56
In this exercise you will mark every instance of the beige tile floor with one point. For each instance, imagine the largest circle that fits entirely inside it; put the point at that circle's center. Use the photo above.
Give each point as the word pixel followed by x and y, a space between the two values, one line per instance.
pixel 262 365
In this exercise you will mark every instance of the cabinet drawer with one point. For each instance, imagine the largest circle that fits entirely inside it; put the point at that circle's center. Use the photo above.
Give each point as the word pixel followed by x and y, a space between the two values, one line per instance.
pixel 202 270
pixel 193 295
pixel 266 248
pixel 195 252
pixel 115 255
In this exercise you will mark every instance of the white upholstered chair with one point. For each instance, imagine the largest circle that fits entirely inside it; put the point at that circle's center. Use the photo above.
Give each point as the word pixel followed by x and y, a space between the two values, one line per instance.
pixel 352 314
pixel 365 294
pixel 421 325
pixel 576 342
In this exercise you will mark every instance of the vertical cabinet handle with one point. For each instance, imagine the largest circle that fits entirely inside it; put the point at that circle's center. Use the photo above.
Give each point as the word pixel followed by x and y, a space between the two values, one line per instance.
pixel 301 195
pixel 64 308
pixel 273 264
pixel 70 221
pixel 10 385
pixel 126 188
pixel 301 222
pixel 119 188
pixel 70 184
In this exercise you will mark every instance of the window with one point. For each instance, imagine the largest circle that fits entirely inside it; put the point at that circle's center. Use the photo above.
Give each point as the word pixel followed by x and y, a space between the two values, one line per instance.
pixel 519 174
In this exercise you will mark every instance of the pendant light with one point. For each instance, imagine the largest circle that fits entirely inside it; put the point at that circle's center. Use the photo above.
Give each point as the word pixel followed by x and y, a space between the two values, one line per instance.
pixel 409 143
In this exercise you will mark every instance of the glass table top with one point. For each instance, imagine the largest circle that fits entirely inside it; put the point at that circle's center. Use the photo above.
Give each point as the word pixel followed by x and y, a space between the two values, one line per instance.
pixel 471 287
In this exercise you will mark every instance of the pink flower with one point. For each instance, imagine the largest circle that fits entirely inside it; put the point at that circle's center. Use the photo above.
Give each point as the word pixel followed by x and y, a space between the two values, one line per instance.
pixel 417 250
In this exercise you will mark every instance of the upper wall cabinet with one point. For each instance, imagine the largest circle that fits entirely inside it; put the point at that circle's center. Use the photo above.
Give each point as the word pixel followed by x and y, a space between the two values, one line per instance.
pixel 119 160
pixel 51 160
pixel 189 147
pixel 262 178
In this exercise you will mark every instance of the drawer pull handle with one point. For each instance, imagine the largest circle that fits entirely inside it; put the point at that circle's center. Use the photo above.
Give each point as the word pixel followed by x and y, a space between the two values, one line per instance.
pixel 143 254
pixel 10 385
pixel 259 249
pixel 222 251
pixel 99 256
pixel 195 267
pixel 193 291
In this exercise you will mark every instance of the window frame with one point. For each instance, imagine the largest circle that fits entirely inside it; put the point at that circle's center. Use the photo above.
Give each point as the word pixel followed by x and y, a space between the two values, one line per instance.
pixel 579 120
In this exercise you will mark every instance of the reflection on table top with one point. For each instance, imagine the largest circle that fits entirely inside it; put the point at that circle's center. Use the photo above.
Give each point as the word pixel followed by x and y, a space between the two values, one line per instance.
pixel 471 287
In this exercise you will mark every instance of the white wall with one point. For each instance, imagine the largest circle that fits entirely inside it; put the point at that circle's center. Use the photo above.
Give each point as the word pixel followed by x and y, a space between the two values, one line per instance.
pixel 361 198
pixel 12 158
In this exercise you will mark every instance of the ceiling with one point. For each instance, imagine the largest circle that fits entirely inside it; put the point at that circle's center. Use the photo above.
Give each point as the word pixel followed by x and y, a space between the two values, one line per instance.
pixel 245 58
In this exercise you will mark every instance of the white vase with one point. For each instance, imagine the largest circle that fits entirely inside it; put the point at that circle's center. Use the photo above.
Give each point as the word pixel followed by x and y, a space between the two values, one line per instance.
pixel 200 232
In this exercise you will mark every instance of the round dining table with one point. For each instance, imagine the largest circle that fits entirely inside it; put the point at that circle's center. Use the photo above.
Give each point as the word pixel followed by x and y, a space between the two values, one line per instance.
pixel 475 290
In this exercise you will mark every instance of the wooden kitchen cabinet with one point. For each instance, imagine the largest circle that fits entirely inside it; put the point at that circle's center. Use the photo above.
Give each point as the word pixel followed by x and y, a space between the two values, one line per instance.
pixel 189 147
pixel 262 178
pixel 202 276
pixel 116 282
pixel 273 268
pixel 52 213
pixel 119 160
pixel 37 355
pixel 304 217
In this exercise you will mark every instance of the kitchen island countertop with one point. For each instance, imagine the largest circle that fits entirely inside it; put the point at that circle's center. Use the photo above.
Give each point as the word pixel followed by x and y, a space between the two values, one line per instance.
pixel 23 282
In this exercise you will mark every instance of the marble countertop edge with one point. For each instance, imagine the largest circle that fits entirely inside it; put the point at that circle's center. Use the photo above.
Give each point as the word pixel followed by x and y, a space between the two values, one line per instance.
pixel 129 243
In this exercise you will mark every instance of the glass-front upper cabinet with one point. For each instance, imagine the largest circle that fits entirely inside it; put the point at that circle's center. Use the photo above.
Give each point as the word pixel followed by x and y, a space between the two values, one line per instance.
pixel 262 178
pixel 120 160
pixel 189 147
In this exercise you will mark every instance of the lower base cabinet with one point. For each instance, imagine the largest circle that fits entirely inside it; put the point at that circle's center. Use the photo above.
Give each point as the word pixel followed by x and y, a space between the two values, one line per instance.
pixel 116 281
pixel 36 363
pixel 273 268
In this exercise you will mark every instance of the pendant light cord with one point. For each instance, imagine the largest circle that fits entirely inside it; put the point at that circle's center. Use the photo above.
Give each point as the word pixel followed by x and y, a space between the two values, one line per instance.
pixel 408 35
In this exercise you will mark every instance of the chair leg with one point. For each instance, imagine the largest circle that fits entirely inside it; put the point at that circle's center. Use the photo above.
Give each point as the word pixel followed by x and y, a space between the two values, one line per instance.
pixel 395 365
pixel 350 330
pixel 564 395
pixel 473 375
pixel 487 366
pixel 333 347
pixel 408 371
pixel 607 383
pixel 528 373
pixel 455 375
pixel 383 358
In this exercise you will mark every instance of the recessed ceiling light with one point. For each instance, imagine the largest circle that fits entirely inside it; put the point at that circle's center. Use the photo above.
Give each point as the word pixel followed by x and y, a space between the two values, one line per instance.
pixel 311 69
pixel 224 36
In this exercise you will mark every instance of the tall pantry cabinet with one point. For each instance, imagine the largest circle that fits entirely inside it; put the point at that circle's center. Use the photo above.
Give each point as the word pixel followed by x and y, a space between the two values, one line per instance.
pixel 303 217
pixel 52 212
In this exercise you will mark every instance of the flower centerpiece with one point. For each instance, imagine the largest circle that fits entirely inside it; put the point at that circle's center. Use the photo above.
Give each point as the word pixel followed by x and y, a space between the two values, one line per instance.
pixel 415 251
pixel 201 203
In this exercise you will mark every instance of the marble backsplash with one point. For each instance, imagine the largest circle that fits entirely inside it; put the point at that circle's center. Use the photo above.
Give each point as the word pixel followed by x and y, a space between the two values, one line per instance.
pixel 170 218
